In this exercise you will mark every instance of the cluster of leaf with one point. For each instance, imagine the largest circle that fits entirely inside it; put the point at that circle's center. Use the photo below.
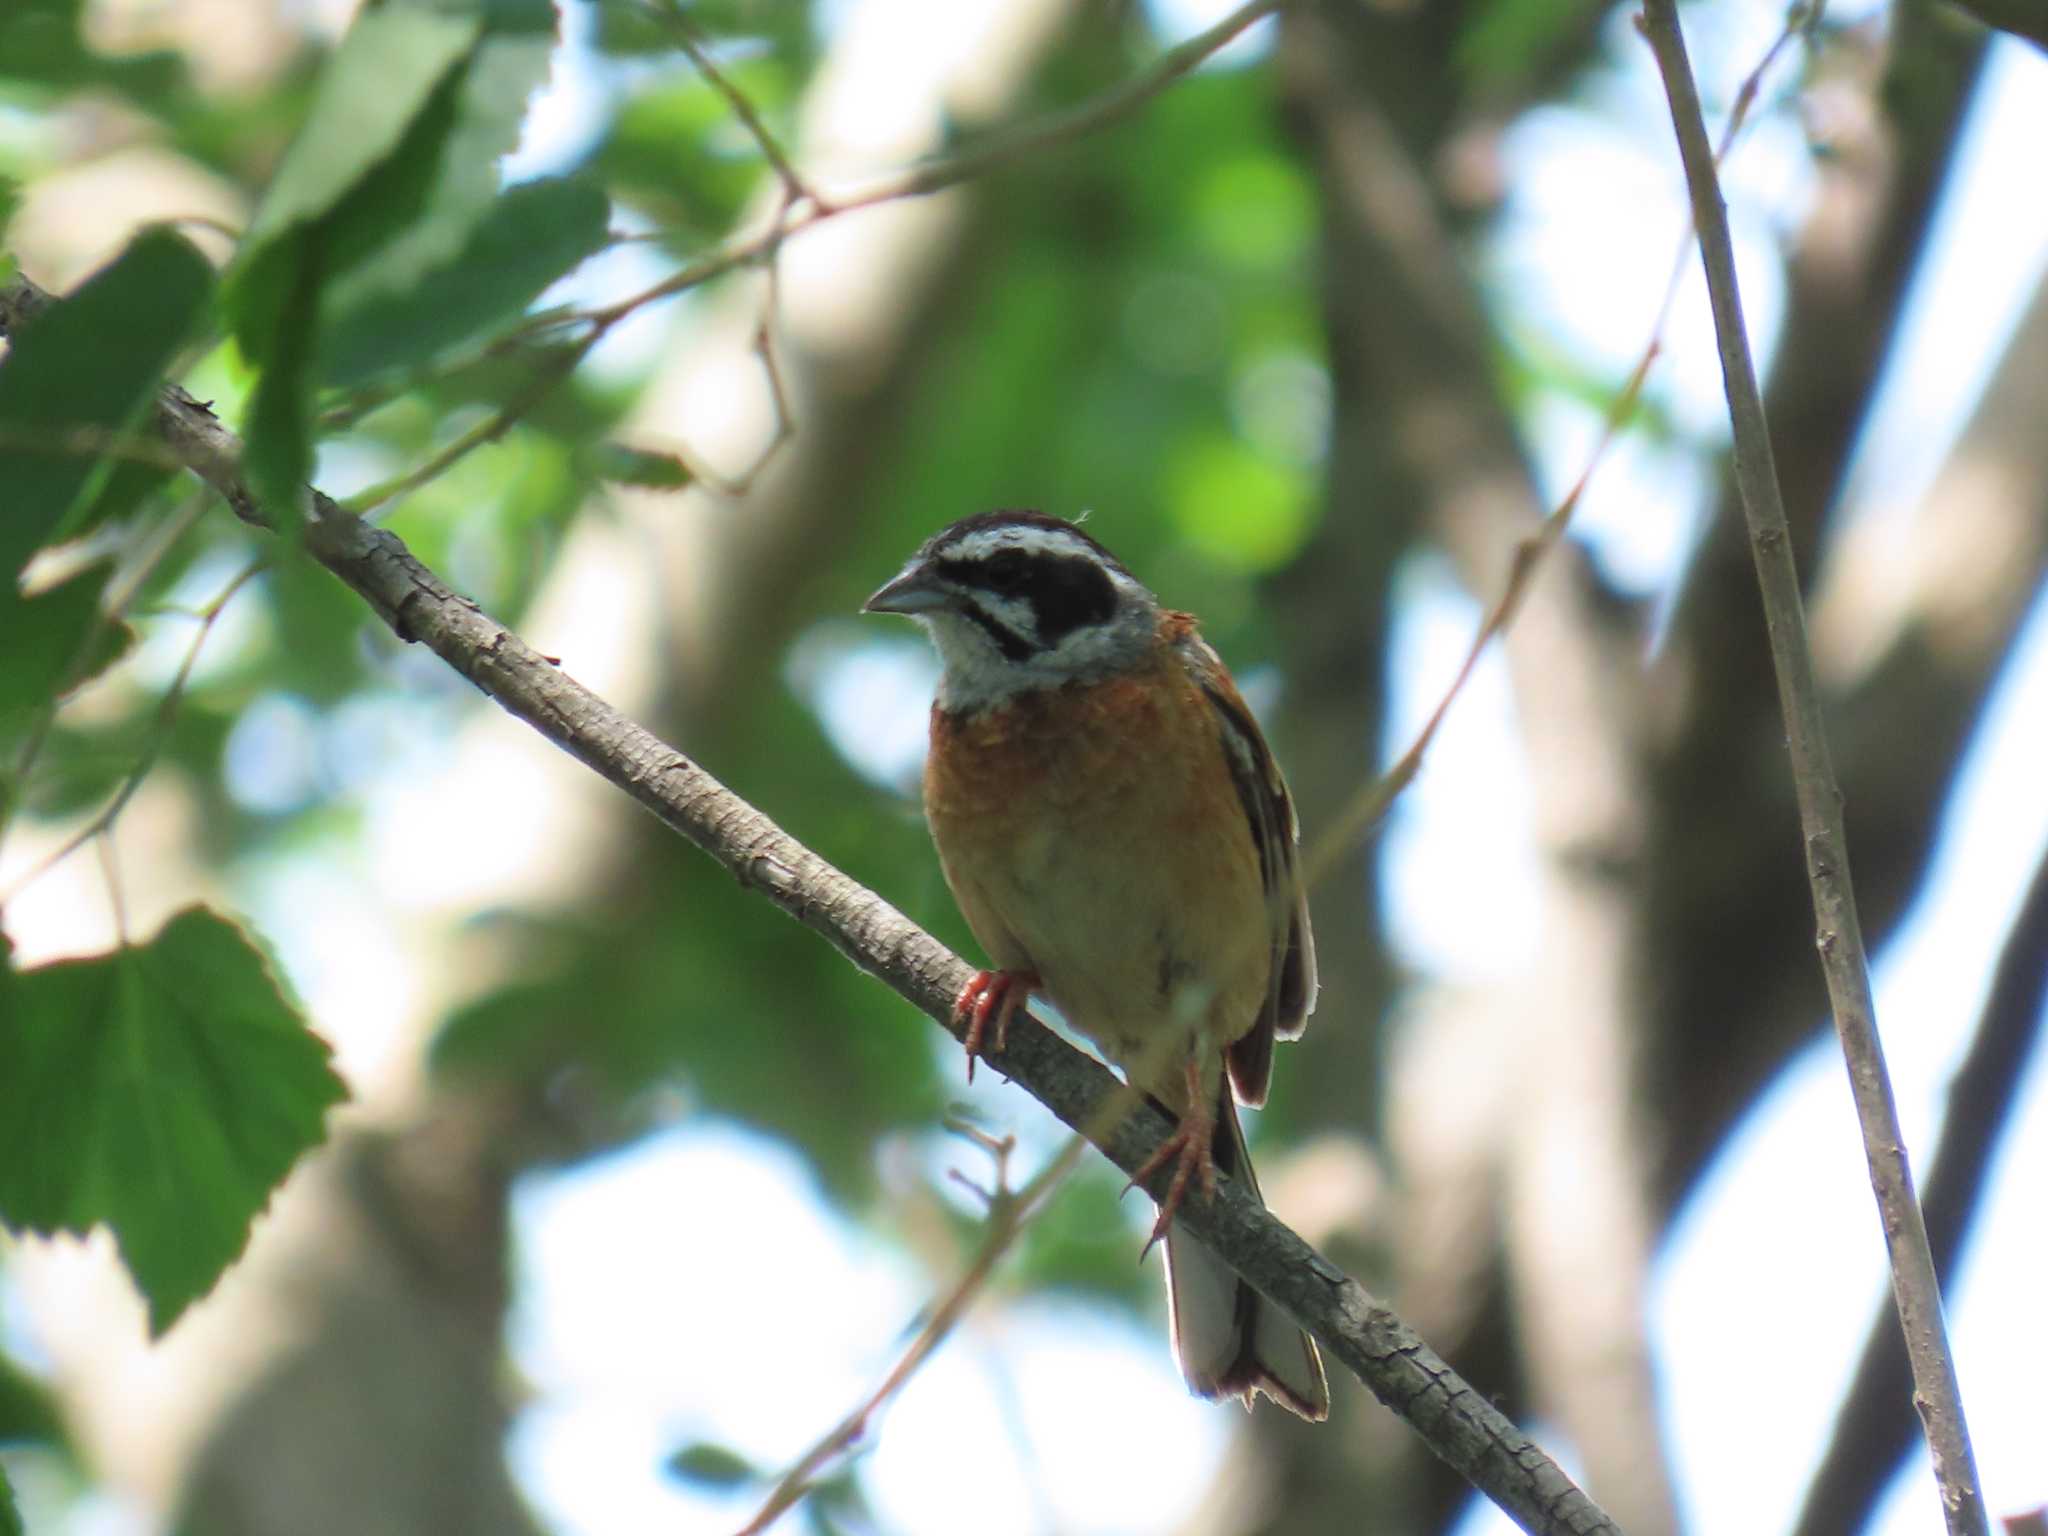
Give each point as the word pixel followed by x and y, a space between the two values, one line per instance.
pixel 163 1089
pixel 378 300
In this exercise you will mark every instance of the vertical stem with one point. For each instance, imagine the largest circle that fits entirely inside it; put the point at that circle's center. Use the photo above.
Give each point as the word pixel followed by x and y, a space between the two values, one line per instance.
pixel 1914 1287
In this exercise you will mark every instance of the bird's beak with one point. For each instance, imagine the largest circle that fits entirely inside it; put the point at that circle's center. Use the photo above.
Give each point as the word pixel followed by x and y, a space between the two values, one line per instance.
pixel 915 591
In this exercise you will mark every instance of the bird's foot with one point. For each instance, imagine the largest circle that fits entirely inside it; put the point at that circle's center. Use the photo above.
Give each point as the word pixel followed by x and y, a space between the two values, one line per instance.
pixel 991 993
pixel 1190 1150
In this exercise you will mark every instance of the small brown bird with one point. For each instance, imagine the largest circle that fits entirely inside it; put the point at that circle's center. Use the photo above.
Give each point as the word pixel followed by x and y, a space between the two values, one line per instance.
pixel 1120 839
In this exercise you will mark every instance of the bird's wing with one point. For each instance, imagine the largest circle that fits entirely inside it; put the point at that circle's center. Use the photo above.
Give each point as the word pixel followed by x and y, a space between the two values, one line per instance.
pixel 1275 833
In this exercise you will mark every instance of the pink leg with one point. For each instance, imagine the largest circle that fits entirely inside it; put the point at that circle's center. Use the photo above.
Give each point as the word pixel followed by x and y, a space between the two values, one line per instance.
pixel 1189 1149
pixel 1000 993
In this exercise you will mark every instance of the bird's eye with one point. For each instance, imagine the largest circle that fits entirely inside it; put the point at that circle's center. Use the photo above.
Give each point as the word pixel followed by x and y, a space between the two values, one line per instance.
pixel 1006 571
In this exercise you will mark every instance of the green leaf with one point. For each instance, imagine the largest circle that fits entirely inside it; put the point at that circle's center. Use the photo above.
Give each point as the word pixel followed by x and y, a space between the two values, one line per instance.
pixel 10 1514
pixel 712 1466
pixel 56 640
pixel 127 485
pixel 623 464
pixel 378 81
pixel 83 369
pixel 415 213
pixel 530 236
pixel 277 452
pixel 387 182
pixel 43 42
pixel 28 1413
pixel 163 1091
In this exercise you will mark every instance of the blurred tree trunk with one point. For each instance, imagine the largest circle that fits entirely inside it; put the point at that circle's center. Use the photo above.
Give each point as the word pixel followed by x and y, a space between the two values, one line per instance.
pixel 1556 1120
pixel 1731 984
pixel 1521 1198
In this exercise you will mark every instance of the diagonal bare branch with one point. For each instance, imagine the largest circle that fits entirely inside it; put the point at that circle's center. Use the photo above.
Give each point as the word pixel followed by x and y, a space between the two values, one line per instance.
pixel 1915 1287
pixel 1459 1423
pixel 1874 1429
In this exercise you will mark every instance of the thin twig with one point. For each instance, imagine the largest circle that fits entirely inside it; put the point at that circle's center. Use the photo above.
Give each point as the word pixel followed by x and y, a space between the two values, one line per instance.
pixel 743 108
pixel 118 603
pixel 1915 1287
pixel 1873 1430
pixel 936 175
pixel 799 208
pixel 1008 1215
pixel 166 716
pixel 771 371
pixel 110 872
pixel 554 367
pixel 1355 1328
pixel 87 440
pixel 783 431
pixel 1366 809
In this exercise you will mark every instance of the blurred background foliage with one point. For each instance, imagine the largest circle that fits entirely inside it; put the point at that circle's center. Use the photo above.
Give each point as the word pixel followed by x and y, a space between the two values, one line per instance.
pixel 1179 321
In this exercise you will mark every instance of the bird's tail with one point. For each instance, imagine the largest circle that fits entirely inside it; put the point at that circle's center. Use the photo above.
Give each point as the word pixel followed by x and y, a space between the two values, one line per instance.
pixel 1231 1341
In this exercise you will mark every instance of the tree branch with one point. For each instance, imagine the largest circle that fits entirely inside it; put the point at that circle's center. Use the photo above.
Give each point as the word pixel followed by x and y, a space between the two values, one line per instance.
pixel 2021 18
pixel 1874 1429
pixel 921 180
pixel 1915 1287
pixel 1457 1422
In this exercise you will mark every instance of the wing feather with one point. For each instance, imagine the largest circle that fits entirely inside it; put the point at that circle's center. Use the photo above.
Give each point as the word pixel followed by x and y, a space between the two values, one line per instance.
pixel 1275 833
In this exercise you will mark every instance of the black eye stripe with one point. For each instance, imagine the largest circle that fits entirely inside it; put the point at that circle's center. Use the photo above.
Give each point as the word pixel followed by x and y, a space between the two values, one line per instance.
pixel 1015 647
pixel 1070 594
pixel 1065 593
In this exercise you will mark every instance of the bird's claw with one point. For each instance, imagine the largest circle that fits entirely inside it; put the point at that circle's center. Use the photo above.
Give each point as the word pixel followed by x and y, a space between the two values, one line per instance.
pixel 1191 1151
pixel 1000 993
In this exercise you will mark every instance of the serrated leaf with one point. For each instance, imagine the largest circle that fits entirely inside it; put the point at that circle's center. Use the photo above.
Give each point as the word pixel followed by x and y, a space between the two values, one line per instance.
pixel 415 213
pixel 530 236
pixel 453 180
pixel 162 1091
pixel 387 182
pixel 380 78
pixel 56 640
pixel 712 1466
pixel 85 369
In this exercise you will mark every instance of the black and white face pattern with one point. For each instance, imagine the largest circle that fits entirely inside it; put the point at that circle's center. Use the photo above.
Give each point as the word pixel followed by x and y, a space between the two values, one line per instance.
pixel 1019 600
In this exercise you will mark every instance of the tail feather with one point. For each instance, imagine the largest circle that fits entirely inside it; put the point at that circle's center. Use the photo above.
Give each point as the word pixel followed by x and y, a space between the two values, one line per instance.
pixel 1231 1341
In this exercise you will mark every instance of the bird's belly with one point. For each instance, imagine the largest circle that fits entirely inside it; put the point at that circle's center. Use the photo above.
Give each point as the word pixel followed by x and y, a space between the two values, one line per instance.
pixel 1132 892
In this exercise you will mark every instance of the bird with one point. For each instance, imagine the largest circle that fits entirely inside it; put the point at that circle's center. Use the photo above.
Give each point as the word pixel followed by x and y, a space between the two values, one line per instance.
pixel 1121 841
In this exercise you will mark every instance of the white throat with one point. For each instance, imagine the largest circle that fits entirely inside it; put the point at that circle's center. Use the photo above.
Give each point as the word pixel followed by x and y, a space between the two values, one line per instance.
pixel 977 675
